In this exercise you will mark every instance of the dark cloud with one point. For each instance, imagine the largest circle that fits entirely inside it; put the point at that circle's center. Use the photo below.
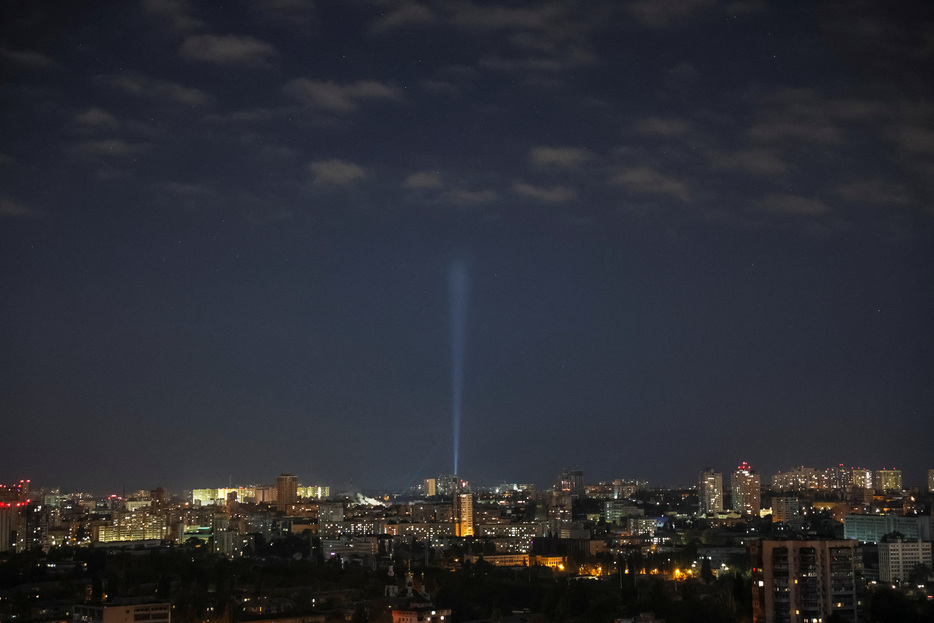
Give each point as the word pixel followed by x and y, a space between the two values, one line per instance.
pixel 663 126
pixel 256 116
pixel 152 88
pixel 227 49
pixel 646 179
pixel 560 61
pixel 26 59
pixel 97 118
pixel 336 172
pixel 758 161
pixel 423 179
pixel 554 194
pixel 14 209
pixel 405 14
pixel 474 16
pixel 339 98
pixel 191 196
pixel 875 191
pixel 794 205
pixel 565 157
pixel 439 87
pixel 463 197
pixel 109 147
pixel 660 13
pixel 665 13
pixel 175 14
pixel 917 139
pixel 295 14
pixel 887 44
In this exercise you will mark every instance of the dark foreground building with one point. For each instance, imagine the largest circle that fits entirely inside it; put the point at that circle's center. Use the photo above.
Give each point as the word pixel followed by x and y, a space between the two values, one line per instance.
pixel 806 581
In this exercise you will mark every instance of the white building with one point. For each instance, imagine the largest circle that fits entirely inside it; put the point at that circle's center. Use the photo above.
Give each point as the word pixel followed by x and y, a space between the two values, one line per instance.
pixel 642 525
pixel 898 558
pixel 152 612
pixel 617 511
pixel 871 528
pixel 747 490
pixel 710 493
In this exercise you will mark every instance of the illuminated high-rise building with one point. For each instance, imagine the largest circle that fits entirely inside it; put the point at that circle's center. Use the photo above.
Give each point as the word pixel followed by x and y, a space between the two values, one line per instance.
pixel 286 492
pixel 887 480
pixel 931 481
pixel 623 489
pixel 430 487
pixel 134 526
pixel 785 508
pixel 447 484
pixel 842 477
pixel 572 483
pixel 318 492
pixel 796 479
pixel 17 492
pixel 747 490
pixel 203 497
pixel 812 479
pixel 31 528
pixel 710 492
pixel 264 494
pixel 463 514
pixel 159 497
pixel 862 478
pixel 9 522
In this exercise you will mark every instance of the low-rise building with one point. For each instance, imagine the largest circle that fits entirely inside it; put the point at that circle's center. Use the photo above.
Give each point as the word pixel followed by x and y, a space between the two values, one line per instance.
pixel 420 614
pixel 123 612
pixel 871 528
pixel 898 558
pixel 501 560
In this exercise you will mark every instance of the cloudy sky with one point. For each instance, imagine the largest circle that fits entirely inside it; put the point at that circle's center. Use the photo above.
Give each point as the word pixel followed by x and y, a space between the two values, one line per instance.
pixel 690 232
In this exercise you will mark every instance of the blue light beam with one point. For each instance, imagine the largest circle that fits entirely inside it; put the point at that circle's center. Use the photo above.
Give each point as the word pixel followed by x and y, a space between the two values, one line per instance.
pixel 458 283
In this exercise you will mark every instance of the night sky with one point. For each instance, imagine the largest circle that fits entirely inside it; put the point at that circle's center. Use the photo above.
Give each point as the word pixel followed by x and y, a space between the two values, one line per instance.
pixel 688 233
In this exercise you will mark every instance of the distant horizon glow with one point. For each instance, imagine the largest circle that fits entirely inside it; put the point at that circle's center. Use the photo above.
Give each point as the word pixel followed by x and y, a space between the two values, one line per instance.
pixel 458 286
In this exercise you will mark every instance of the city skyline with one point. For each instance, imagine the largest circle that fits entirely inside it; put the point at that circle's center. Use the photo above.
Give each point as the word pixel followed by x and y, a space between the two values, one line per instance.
pixel 687 234
pixel 718 483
